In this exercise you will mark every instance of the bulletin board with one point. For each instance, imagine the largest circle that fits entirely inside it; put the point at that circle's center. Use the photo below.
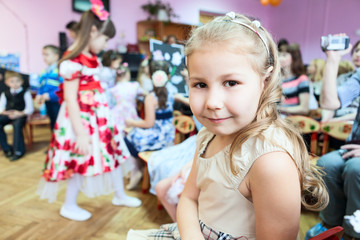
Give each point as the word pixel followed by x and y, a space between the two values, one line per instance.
pixel 10 61
pixel 174 55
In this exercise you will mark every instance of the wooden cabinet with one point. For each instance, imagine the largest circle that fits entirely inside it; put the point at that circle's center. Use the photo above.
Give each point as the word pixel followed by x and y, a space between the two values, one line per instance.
pixel 160 30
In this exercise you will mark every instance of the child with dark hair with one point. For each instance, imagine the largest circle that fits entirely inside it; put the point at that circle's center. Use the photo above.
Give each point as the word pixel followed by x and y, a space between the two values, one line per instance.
pixel 156 131
pixel 15 105
pixel 86 147
pixel 295 83
pixel 72 28
pixel 111 61
pixel 49 83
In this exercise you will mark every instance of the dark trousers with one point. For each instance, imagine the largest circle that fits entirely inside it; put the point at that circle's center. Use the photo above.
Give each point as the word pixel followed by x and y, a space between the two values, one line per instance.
pixel 342 180
pixel 52 110
pixel 18 142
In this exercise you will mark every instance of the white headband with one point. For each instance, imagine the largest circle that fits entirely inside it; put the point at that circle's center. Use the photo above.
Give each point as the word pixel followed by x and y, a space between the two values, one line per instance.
pixel 232 16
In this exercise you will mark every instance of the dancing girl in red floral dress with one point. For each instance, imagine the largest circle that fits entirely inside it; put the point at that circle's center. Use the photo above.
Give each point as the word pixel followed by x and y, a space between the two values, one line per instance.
pixel 86 147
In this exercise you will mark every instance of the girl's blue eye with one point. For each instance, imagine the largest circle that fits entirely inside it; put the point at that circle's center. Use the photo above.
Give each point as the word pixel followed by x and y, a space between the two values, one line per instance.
pixel 200 85
pixel 230 83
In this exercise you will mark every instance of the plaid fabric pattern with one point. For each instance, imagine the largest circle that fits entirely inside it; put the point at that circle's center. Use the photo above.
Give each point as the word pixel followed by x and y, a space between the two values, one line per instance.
pixel 171 232
pixel 166 231
pixel 210 234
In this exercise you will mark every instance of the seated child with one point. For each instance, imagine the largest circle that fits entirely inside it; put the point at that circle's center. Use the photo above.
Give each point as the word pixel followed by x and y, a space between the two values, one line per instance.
pixel 156 131
pixel 111 61
pixel 15 105
pixel 143 76
pixel 49 83
pixel 124 94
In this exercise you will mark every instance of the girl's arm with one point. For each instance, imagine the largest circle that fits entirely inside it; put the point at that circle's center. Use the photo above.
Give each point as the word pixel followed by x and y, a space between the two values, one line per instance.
pixel 347 117
pixel 187 211
pixel 70 97
pixel 274 183
pixel 149 121
pixel 302 108
pixel 180 98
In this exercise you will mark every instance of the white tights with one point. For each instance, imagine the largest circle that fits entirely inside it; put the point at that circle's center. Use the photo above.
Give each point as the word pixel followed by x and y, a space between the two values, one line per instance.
pixel 73 189
pixel 135 165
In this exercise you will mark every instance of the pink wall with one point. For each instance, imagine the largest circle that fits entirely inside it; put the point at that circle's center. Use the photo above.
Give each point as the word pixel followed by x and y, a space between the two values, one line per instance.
pixel 45 19
pixel 300 21
pixel 306 21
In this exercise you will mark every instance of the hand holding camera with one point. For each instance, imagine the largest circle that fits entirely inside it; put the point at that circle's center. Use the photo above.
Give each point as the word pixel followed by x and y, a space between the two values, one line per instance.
pixel 334 42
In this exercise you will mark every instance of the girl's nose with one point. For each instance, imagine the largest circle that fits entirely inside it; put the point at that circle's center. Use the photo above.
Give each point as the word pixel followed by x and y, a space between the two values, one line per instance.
pixel 214 100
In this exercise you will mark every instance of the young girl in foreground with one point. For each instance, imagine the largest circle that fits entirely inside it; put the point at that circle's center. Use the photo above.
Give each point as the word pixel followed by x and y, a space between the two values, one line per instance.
pixel 85 148
pixel 251 171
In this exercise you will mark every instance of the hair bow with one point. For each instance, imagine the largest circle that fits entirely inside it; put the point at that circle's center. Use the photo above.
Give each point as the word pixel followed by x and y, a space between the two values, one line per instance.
pixel 97 7
pixel 159 78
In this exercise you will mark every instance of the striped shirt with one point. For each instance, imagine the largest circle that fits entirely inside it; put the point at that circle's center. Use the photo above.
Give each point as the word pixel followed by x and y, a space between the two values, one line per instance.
pixel 293 87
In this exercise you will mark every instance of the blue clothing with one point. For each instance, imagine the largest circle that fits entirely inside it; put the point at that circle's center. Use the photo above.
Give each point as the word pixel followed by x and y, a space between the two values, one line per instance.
pixel 342 179
pixel 342 176
pixel 161 135
pixel 347 92
pixel 169 161
pixel 50 81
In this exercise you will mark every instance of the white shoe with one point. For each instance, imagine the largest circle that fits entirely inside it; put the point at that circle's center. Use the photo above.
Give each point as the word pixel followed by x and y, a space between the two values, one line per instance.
pixel 76 215
pixel 126 201
pixel 134 180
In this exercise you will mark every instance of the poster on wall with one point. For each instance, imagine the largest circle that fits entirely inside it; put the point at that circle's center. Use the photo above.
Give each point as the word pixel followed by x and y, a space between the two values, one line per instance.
pixel 10 61
pixel 174 55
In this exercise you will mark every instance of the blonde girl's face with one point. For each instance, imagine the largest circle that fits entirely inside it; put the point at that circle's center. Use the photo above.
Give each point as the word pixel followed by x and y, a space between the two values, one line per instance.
pixel 311 69
pixel 224 90
pixel 98 41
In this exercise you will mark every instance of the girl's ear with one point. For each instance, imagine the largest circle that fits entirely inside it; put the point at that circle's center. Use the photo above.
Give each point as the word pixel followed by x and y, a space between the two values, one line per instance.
pixel 268 73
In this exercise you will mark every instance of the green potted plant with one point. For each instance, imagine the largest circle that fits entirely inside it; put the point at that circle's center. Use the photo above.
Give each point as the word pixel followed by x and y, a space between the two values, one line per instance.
pixel 159 10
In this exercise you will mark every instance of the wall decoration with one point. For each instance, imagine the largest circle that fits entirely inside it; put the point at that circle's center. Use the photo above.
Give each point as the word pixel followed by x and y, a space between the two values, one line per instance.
pixel 84 5
pixel 174 55
pixel 10 61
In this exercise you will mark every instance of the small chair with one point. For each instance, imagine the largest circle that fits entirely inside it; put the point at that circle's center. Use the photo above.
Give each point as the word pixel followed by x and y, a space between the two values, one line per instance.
pixel 35 120
pixel 145 156
pixel 339 130
pixel 306 125
pixel 334 233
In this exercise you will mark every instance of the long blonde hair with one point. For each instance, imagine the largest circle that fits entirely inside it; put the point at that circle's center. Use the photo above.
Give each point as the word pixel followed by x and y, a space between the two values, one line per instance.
pixel 263 54
pixel 319 69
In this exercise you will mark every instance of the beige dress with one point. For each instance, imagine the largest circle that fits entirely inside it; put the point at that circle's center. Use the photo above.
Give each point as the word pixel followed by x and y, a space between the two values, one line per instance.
pixel 221 206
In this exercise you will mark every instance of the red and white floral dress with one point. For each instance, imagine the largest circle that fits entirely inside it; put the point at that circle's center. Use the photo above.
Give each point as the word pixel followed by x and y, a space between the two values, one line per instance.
pixel 98 172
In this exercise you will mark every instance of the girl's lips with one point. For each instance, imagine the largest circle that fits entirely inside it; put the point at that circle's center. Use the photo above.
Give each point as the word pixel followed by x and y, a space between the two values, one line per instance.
pixel 217 120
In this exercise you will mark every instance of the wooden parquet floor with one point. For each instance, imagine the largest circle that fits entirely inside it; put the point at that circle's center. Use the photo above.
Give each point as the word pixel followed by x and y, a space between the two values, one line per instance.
pixel 24 216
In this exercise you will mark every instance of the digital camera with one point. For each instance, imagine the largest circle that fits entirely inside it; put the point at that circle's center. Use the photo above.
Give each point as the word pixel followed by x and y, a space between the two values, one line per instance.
pixel 334 43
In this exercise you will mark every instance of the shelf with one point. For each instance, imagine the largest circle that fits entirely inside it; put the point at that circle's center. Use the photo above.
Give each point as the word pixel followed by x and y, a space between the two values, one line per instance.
pixel 160 30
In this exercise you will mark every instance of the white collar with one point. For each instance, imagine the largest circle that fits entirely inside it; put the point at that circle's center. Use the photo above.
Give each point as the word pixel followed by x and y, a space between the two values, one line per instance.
pixel 16 90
